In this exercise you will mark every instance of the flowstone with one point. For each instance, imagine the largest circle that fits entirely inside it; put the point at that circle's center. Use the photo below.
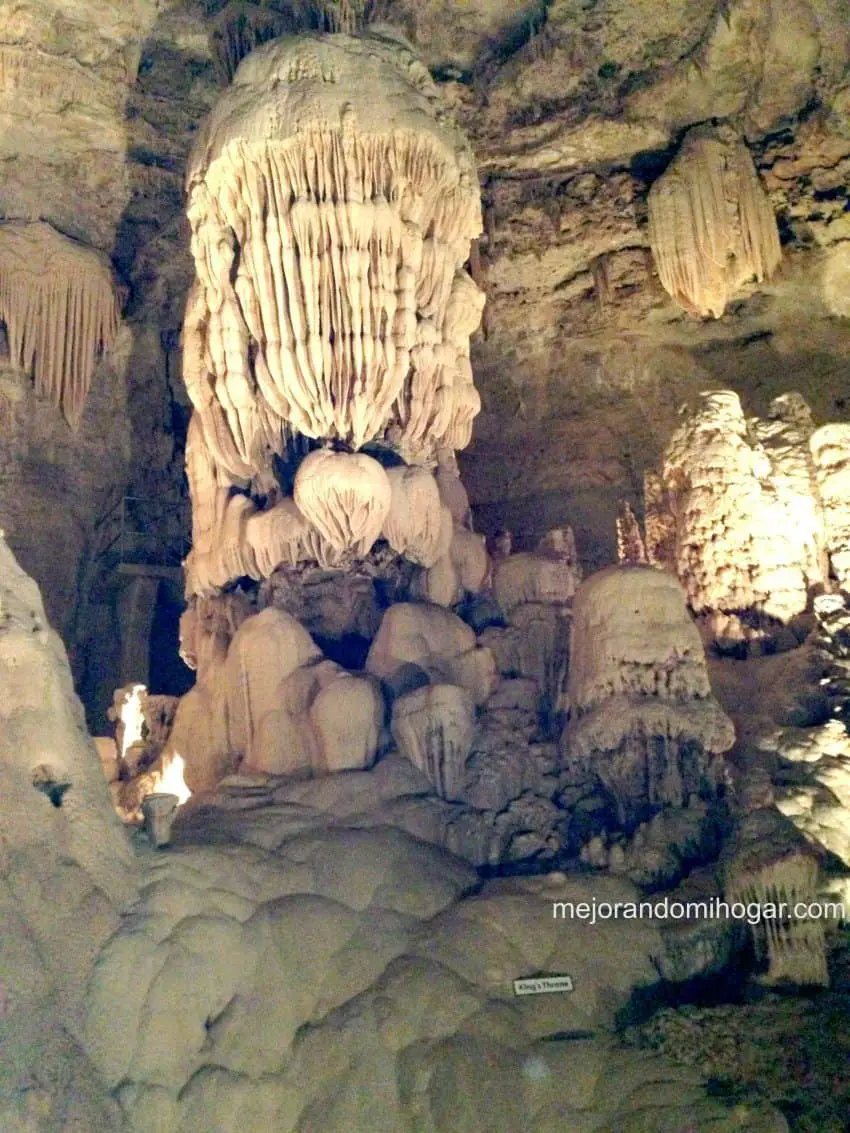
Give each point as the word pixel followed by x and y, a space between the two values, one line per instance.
pixel 747 513
pixel 642 717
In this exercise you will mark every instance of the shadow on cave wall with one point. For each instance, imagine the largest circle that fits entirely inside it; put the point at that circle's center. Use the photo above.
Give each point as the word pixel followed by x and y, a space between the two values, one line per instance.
pixel 172 93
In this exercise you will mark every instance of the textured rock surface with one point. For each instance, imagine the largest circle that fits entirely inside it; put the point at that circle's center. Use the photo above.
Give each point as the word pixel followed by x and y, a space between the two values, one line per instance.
pixel 767 862
pixel 642 717
pixel 67 871
pixel 737 515
pixel 393 978
pixel 711 226
pixel 585 359
pixel 574 111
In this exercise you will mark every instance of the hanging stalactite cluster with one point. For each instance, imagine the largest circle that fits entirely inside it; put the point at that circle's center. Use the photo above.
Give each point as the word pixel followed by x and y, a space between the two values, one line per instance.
pixel 332 203
pixel 343 253
pixel 243 25
pixel 711 226
pixel 58 303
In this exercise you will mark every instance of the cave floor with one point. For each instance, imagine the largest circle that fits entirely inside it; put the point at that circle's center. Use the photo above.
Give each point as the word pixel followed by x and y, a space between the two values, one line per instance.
pixel 792 1050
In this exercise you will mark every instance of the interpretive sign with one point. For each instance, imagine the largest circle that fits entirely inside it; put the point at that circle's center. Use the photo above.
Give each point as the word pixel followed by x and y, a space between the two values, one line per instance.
pixel 541 985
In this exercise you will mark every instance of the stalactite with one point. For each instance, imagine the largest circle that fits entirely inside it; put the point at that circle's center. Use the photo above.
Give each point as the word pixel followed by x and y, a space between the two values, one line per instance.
pixel 58 303
pixel 238 29
pixel 711 226
pixel 334 249
pixel 345 496
pixel 769 864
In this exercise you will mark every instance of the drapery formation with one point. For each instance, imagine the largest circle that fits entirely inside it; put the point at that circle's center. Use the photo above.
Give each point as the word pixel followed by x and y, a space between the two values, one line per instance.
pixel 332 203
pixel 59 306
pixel 711 226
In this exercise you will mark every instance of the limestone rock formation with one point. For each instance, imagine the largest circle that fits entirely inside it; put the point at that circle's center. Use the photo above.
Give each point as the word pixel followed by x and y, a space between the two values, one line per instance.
pixel 642 717
pixel 361 202
pixel 66 870
pixel 769 865
pixel 332 203
pixel 433 727
pixel 711 226
pixel 393 977
pixel 830 447
pixel 266 650
pixel 813 785
pixel 631 547
pixel 346 497
pixel 60 309
pixel 738 515
pixel 535 645
pixel 420 643
pixel 414 524
pixel 551 574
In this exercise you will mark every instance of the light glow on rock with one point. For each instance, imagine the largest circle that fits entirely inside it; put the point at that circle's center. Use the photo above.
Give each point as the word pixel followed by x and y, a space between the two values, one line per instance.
pixel 171 781
pixel 133 719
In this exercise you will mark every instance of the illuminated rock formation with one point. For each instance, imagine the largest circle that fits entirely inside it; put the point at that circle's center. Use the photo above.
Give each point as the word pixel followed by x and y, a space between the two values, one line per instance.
pixel 268 990
pixel 551 574
pixel 327 232
pixel 414 526
pixel 420 643
pixel 266 650
pixel 332 203
pixel 60 309
pixel 830 447
pixel 736 515
pixel 642 717
pixel 768 865
pixel 711 226
pixel 345 496
pixel 433 727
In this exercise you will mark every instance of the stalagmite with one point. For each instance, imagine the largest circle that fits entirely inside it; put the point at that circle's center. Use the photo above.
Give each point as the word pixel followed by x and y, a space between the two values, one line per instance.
pixel 769 865
pixel 265 650
pixel 468 553
pixel 550 574
pixel 347 715
pixel 452 492
pixel 630 542
pixel 432 641
pixel 642 717
pixel 735 515
pixel 830 447
pixel 433 728
pixel 321 719
pixel 58 303
pixel 345 496
pixel 711 226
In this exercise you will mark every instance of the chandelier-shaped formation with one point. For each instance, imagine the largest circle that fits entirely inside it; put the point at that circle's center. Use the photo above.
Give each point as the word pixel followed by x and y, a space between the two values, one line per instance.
pixel 332 203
